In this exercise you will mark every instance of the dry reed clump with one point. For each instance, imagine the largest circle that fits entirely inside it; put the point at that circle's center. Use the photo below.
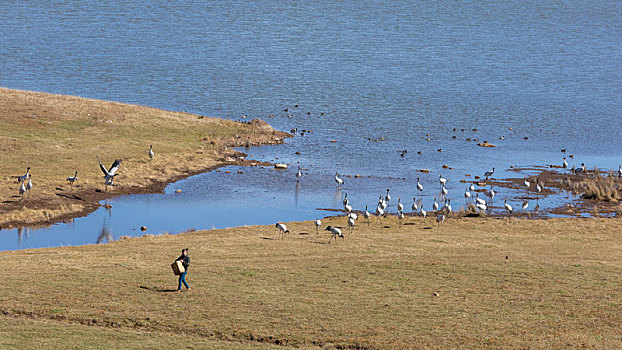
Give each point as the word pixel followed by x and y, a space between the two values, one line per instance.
pixel 602 189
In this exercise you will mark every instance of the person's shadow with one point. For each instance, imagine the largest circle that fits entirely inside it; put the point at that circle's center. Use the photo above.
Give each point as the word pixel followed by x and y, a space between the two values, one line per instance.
pixel 153 289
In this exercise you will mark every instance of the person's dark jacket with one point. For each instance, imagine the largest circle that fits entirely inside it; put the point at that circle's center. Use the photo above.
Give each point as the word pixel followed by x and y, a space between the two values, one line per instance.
pixel 185 260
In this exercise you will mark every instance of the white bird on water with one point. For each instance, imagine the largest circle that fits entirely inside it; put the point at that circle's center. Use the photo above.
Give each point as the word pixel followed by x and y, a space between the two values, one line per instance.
pixel 23 178
pixel 467 194
pixel 442 180
pixel 73 178
pixel 400 206
pixel 479 200
pixel 335 233
pixel 565 163
pixel 282 229
pixel 151 154
pixel 435 205
pixel 110 173
pixel 525 205
pixel 338 180
pixel 472 188
pixel 538 187
pixel 444 191
pixel 419 186
pixel 525 182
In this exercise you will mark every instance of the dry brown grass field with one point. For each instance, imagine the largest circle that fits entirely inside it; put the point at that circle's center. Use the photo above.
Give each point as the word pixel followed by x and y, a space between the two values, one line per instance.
pixel 56 135
pixel 473 283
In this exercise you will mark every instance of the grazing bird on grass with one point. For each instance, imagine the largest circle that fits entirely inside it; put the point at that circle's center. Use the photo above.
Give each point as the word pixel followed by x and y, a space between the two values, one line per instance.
pixel 24 177
pixel 72 179
pixel 110 173
pixel 151 154
pixel 335 233
pixel 29 185
pixel 282 229
pixel 318 224
pixel 338 180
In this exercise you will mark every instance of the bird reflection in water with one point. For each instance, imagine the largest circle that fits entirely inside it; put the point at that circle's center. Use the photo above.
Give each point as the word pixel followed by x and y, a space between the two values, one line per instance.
pixel 296 194
pixel 105 236
pixel 22 232
pixel 337 198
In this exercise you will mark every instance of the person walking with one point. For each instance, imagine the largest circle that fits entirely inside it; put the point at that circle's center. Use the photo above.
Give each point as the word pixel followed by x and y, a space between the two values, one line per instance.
pixel 185 261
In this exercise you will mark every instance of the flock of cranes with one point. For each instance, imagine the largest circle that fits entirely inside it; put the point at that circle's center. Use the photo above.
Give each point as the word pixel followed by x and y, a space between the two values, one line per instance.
pixel 441 204
pixel 25 180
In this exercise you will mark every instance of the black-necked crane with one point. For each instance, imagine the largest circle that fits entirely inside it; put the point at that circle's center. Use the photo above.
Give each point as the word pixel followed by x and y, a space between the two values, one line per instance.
pixel 72 179
pixel 434 205
pixel 379 212
pixel 472 188
pixel 525 205
pixel 335 233
pixel 467 195
pixel 414 207
pixel 489 173
pixel 318 224
pixel 29 185
pixel 479 200
pixel 440 219
pixel 424 213
pixel 387 198
pixel 345 199
pixel 400 206
pixel 538 187
pixel 351 223
pixel 442 180
pixel 620 170
pixel 347 208
pixel 481 207
pixel 151 154
pixel 24 177
pixel 491 194
pixel 447 205
pixel 282 229
pixel 444 191
pixel 22 189
pixel 366 215
pixel 353 215
pixel 580 170
pixel 565 163
pixel 338 180
pixel 419 186
pixel 507 206
pixel 400 217
pixel 109 174
pixel 526 182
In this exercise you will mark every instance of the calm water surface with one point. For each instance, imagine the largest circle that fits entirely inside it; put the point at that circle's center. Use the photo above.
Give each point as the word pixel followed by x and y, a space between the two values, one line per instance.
pixel 400 70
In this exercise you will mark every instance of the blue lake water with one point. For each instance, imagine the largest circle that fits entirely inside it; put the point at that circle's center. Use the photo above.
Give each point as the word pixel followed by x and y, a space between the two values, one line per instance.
pixel 400 70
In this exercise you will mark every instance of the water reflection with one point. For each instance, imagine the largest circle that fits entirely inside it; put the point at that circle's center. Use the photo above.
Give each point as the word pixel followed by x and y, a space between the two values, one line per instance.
pixel 22 231
pixel 105 235
pixel 296 194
